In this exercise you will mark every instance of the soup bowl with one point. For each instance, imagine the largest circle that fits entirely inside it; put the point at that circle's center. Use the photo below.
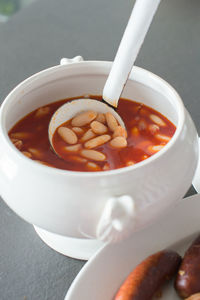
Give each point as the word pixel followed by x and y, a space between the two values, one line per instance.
pixel 95 206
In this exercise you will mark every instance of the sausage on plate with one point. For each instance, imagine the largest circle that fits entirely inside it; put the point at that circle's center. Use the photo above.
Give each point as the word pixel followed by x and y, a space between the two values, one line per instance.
pixel 148 277
pixel 188 279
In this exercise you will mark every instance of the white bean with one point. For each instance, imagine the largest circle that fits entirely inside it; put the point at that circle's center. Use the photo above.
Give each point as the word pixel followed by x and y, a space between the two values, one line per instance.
pixel 18 143
pixel 27 154
pixel 142 125
pixel 106 167
pixel 162 137
pixel 98 127
pixel 35 152
pixel 67 135
pixel 153 128
pixel 98 141
pixel 89 134
pixel 101 118
pixel 111 121
pixel 92 166
pixel 42 111
pixel 84 118
pixel 93 155
pixel 155 148
pixel 77 159
pixel 73 148
pixel 120 131
pixel 130 163
pixel 118 142
pixel 78 130
pixel 157 120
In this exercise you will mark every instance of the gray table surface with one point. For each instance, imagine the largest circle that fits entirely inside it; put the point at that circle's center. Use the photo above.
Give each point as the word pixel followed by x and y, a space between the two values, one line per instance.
pixel 36 38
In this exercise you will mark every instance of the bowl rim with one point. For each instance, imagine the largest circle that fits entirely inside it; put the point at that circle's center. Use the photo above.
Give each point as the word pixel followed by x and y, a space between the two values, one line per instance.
pixel 137 74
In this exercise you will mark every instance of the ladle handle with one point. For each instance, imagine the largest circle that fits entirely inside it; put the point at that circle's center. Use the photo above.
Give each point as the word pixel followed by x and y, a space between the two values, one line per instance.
pixel 138 25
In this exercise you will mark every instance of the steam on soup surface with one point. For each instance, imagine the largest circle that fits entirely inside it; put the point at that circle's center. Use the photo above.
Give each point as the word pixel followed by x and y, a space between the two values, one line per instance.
pixel 147 132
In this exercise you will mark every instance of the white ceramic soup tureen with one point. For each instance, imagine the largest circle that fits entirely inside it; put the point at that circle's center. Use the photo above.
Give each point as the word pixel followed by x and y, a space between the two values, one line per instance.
pixel 75 211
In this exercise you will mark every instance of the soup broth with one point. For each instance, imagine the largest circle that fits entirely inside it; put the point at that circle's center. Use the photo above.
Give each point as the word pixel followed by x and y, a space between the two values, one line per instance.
pixel 147 133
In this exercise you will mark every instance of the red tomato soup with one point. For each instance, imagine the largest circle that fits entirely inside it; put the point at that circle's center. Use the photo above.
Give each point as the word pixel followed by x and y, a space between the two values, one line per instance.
pixel 96 145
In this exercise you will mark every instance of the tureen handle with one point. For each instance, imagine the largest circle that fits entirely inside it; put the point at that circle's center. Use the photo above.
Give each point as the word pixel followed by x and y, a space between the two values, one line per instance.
pixel 66 61
pixel 117 220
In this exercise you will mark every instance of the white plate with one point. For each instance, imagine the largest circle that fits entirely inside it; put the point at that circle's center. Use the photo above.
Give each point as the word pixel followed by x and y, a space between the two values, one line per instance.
pixel 196 179
pixel 103 274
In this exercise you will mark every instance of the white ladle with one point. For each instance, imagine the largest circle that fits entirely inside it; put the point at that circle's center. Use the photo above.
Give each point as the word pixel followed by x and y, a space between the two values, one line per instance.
pixel 136 30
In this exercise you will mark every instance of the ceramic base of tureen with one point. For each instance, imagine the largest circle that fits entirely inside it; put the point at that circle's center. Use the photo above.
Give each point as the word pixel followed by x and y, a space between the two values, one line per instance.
pixel 72 247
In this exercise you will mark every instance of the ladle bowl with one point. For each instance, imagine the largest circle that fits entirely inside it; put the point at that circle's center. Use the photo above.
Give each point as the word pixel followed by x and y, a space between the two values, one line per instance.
pixel 74 107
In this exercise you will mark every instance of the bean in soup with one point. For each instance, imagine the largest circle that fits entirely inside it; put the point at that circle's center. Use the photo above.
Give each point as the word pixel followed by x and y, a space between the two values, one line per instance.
pixel 100 144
